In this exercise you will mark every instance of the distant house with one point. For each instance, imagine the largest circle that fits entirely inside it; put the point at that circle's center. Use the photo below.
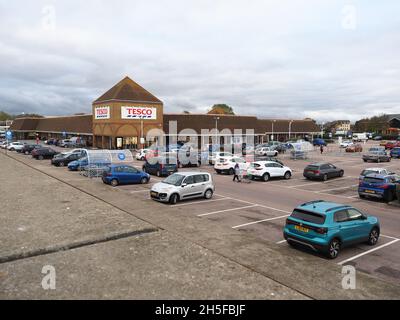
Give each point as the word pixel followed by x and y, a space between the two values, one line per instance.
pixel 338 127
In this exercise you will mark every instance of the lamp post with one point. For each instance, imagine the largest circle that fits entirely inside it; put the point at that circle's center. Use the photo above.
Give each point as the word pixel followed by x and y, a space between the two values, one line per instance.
pixel 216 129
pixel 272 136
pixel 290 128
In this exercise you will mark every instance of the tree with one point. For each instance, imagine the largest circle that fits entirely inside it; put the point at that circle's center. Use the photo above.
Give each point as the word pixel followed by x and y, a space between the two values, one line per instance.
pixel 186 112
pixel 221 109
pixel 5 116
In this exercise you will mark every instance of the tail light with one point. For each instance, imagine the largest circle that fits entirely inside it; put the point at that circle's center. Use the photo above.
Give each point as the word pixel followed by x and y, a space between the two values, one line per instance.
pixel 290 222
pixel 385 186
pixel 321 230
pixel 161 166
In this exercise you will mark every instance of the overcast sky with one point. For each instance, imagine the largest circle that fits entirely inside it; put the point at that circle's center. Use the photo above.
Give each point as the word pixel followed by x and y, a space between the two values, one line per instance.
pixel 272 58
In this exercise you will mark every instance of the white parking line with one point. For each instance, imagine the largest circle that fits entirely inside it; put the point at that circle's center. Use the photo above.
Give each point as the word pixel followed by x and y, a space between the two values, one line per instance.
pixel 139 191
pixel 262 206
pixel 221 211
pixel 255 222
pixel 279 242
pixel 369 251
pixel 200 202
pixel 354 185
pixel 389 237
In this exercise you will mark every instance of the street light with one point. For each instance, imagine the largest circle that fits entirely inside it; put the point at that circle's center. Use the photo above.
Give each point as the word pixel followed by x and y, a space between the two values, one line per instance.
pixel 272 136
pixel 290 127
pixel 216 129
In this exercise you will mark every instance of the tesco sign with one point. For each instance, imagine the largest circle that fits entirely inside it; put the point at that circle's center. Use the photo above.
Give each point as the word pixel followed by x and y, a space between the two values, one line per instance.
pixel 102 113
pixel 139 113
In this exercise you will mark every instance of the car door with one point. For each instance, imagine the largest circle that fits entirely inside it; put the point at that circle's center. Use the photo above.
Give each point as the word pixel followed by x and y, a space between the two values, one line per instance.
pixel 279 170
pixel 133 174
pixel 188 188
pixel 360 227
pixel 344 225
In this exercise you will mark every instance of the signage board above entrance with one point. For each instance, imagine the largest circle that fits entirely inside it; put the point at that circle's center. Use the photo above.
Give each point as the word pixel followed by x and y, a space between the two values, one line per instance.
pixel 102 112
pixel 142 113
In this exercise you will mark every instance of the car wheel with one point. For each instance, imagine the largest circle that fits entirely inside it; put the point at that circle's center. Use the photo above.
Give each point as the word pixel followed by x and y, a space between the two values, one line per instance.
pixel 144 180
pixel 12 149
pixel 61 164
pixel 341 173
pixel 287 175
pixel 218 171
pixel 333 249
pixel 114 182
pixel 325 177
pixel 173 199
pixel 373 237
pixel 362 196
pixel 208 194
pixel 266 177
pixel 388 197
pixel 40 158
pixel 231 171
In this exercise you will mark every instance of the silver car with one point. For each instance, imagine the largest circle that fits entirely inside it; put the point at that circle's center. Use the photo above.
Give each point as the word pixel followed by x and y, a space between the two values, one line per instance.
pixel 183 185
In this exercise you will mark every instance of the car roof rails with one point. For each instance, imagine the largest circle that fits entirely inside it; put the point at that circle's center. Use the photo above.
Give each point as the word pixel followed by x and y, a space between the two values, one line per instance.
pixel 338 207
pixel 311 202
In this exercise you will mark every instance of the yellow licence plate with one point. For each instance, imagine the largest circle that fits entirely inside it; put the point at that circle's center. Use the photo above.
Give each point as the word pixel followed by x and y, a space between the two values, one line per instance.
pixel 302 229
pixel 369 191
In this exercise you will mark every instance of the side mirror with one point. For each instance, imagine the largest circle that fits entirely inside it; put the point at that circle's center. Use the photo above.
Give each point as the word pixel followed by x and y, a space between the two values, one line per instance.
pixel 184 185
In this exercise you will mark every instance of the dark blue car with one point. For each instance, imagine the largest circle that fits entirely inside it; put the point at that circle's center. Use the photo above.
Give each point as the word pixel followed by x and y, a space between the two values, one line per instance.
pixel 123 174
pixel 319 142
pixel 161 166
pixel 395 153
pixel 379 186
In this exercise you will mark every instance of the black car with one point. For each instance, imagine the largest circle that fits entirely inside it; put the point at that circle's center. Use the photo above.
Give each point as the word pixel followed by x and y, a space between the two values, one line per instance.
pixel 28 148
pixel 322 171
pixel 43 153
pixel 65 159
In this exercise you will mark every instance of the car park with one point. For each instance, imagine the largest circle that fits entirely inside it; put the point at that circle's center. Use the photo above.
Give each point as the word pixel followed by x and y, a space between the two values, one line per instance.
pixel 395 153
pixel 141 154
pixel 379 186
pixel 368 171
pixel 183 185
pixel 43 153
pixel 15 146
pixel 354 148
pixel 117 174
pixel 161 166
pixel 322 171
pixel 266 151
pixel 376 156
pixel 227 165
pixel 328 227
pixel 64 160
pixel 319 142
pixel 269 169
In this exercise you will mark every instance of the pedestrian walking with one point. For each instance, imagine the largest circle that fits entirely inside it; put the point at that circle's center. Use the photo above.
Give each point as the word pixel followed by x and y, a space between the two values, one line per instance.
pixel 237 172
pixel 321 148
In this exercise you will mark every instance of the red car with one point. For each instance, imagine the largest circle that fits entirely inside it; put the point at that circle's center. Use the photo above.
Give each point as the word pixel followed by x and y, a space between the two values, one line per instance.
pixel 392 144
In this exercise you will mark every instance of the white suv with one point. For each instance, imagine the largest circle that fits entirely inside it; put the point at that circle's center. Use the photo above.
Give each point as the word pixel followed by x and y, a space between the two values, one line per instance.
pixel 212 159
pixel 182 186
pixel 141 154
pixel 269 169
pixel 266 151
pixel 227 165
pixel 14 146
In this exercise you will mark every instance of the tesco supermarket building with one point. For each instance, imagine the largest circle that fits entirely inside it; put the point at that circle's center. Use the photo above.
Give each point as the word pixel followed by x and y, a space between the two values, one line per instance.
pixel 128 116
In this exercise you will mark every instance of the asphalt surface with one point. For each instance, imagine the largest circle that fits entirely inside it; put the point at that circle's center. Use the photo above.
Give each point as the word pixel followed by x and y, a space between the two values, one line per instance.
pixel 242 224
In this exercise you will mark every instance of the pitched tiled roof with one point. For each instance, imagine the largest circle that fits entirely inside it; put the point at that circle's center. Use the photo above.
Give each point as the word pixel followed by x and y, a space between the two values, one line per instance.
pixel 300 126
pixel 127 90
pixel 24 124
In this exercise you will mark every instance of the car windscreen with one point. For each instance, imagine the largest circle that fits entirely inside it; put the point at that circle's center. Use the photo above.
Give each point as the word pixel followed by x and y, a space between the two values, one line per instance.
pixel 174 179
pixel 373 180
pixel 308 216
pixel 312 167
pixel 367 172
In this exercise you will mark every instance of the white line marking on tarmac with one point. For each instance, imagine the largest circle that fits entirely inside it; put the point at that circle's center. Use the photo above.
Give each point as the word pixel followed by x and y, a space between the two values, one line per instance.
pixel 262 206
pixel 341 188
pixel 255 222
pixel 369 251
pixel 389 237
pixel 279 242
pixel 139 191
pixel 200 202
pixel 221 211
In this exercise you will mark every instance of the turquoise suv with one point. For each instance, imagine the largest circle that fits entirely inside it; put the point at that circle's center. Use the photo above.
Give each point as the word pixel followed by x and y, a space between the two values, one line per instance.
pixel 327 227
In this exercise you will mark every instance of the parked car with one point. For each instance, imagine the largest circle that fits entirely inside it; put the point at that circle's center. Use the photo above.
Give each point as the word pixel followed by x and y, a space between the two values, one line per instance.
pixel 376 156
pixel 27 149
pixel 328 227
pixel 379 186
pixel 392 144
pixel 141 154
pixel 51 141
pixel 227 165
pixel 322 171
pixel 266 151
pixel 15 146
pixel 123 174
pixel 3 144
pixel 214 156
pixel 346 143
pixel 43 153
pixel 66 143
pixel 182 186
pixel 354 148
pixel 64 160
pixel 269 169
pixel 161 166
pixel 378 138
pixel 78 164
pixel 395 153
pixel 368 171
pixel 319 142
